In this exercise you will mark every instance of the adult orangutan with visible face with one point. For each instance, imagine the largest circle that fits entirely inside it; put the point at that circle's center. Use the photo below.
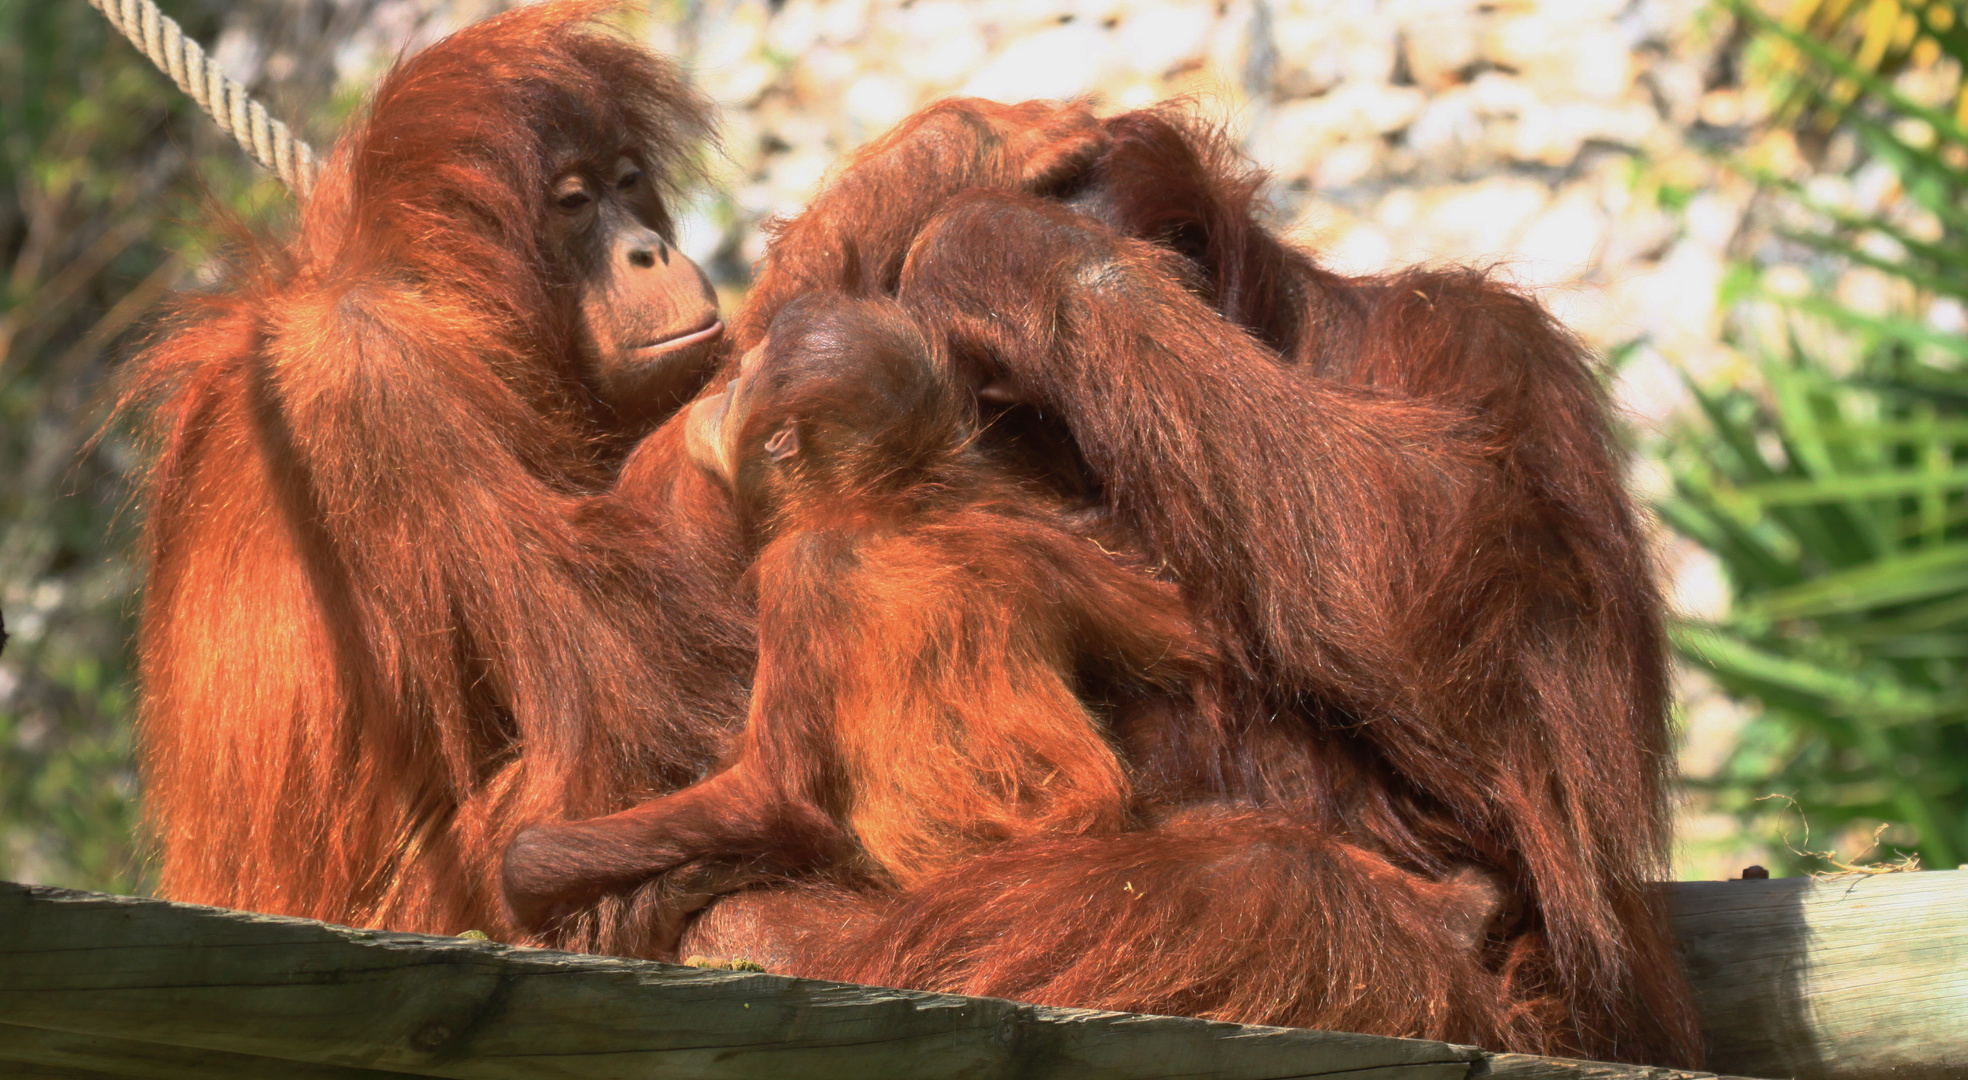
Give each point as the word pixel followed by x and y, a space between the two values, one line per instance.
pixel 420 580
pixel 393 608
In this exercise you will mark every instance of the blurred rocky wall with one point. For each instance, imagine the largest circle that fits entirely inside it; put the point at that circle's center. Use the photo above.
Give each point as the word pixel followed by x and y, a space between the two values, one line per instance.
pixel 1556 140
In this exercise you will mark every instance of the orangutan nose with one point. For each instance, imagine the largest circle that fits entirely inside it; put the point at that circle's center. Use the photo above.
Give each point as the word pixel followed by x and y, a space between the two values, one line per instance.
pixel 646 250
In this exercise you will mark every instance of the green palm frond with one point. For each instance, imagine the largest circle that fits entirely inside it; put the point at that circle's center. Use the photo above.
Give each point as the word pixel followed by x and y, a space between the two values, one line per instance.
pixel 1860 44
pixel 1835 493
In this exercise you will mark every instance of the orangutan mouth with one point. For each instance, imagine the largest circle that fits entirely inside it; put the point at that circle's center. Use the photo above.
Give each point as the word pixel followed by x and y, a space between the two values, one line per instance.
pixel 682 341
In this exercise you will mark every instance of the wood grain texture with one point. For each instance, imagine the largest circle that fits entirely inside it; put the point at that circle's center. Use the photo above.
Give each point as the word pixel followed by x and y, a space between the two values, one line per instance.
pixel 1529 1067
pixel 1848 978
pixel 39 1052
pixel 132 974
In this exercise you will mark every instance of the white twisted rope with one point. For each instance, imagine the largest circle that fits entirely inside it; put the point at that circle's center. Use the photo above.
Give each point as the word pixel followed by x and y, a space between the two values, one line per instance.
pixel 268 140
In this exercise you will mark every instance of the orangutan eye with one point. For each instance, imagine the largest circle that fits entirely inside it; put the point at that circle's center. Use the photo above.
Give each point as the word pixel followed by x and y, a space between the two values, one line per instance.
pixel 629 180
pixel 571 194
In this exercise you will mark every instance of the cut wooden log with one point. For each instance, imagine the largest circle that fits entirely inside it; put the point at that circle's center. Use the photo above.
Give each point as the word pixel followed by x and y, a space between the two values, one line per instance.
pixel 1797 978
pixel 1856 977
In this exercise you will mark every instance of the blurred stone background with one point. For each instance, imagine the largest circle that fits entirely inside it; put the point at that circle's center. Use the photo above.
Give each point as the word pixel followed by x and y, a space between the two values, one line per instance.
pixel 1569 144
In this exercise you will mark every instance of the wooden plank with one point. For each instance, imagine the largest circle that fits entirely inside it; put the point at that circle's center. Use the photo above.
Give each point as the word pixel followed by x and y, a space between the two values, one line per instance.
pixel 1847 978
pixel 201 979
pixel 39 1052
pixel 1529 1067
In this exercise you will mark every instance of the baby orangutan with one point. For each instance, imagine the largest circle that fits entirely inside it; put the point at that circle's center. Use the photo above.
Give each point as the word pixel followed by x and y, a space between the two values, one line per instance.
pixel 925 625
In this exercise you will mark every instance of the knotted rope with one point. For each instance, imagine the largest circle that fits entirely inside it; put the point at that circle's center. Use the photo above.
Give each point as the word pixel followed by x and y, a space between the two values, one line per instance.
pixel 164 42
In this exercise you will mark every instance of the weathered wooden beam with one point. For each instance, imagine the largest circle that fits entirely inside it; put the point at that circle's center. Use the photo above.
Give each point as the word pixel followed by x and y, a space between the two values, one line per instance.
pixel 104 986
pixel 1845 978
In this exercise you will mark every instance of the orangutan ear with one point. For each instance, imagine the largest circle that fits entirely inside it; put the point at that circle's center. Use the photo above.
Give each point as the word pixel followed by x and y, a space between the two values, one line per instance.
pixel 783 444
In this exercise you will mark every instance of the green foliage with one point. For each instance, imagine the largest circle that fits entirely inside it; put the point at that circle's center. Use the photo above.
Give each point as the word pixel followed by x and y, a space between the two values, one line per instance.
pixel 1835 494
pixel 1873 37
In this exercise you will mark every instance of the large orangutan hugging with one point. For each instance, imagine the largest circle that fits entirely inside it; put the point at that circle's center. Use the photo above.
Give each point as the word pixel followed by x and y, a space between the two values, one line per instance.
pixel 1050 586
pixel 924 624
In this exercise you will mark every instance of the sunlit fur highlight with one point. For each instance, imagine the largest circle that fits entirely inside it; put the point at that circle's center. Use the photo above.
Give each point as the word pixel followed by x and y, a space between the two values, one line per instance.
pixel 1396 502
pixel 924 619
pixel 393 609
pixel 924 624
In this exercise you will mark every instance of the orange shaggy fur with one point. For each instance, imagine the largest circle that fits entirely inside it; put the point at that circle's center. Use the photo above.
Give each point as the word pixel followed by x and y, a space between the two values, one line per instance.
pixel 413 589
